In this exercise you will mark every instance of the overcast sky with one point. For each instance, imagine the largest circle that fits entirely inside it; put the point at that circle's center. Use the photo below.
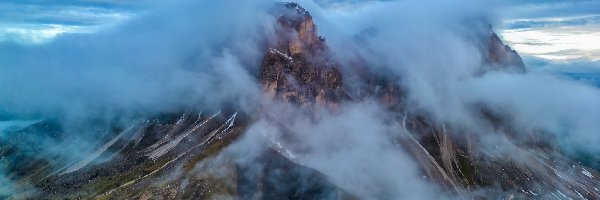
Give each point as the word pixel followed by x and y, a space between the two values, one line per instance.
pixel 555 33
pixel 545 32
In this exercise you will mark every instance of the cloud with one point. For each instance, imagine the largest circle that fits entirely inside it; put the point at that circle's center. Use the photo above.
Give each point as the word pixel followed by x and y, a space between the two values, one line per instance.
pixel 436 54
pixel 172 57
pixel 34 22
pixel 567 109
pixel 551 22
pixel 569 41
pixel 525 9
pixel 565 27
pixel 164 60
pixel 5 186
pixel 426 48
pixel 355 148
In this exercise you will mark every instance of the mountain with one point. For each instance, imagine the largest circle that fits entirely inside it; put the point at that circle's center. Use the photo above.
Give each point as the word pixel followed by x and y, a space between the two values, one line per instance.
pixel 184 155
pixel 297 66
pixel 502 55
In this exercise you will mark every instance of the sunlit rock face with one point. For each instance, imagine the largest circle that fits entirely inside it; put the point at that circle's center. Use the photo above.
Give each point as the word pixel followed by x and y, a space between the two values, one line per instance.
pixel 297 66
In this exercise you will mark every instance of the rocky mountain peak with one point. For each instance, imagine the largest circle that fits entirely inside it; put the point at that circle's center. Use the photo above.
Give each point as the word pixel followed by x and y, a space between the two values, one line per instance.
pixel 297 66
pixel 502 56
pixel 303 24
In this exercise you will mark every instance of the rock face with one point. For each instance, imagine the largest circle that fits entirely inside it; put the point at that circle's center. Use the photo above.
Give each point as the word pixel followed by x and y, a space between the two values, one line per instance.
pixel 297 67
pixel 501 56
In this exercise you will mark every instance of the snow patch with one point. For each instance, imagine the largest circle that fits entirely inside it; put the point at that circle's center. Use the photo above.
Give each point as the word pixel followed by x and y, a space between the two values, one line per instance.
pixel 562 194
pixel 230 121
pixel 579 194
pixel 587 173
pixel 534 194
pixel 173 143
pixel 295 5
pixel 280 53
pixel 410 135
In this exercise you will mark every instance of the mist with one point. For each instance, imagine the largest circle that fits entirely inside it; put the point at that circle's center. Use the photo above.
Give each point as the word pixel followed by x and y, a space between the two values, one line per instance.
pixel 436 53
pixel 356 148
pixel 172 56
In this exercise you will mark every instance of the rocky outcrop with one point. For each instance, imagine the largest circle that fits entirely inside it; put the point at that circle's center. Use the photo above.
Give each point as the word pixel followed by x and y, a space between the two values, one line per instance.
pixel 502 57
pixel 297 66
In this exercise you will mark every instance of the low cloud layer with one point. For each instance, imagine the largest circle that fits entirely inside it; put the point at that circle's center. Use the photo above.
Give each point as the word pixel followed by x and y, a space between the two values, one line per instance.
pixel 559 41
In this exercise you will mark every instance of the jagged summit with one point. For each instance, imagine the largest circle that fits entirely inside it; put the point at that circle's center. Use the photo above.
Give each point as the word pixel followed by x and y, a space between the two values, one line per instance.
pixel 297 66
pixel 296 6
pixel 503 56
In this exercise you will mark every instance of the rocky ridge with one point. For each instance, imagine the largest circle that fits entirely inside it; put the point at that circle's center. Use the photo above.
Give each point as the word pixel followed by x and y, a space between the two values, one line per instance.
pixel 297 66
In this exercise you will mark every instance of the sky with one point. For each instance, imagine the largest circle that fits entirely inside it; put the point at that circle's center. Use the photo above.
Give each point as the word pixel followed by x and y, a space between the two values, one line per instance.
pixel 557 34
pixel 35 21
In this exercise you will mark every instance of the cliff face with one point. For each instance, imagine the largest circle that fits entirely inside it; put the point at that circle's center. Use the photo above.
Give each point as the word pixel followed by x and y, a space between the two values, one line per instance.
pixel 297 66
pixel 502 57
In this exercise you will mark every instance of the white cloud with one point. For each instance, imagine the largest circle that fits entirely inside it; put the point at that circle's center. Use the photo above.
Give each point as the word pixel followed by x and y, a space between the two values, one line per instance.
pixel 38 23
pixel 557 43
pixel 556 30
pixel 33 34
